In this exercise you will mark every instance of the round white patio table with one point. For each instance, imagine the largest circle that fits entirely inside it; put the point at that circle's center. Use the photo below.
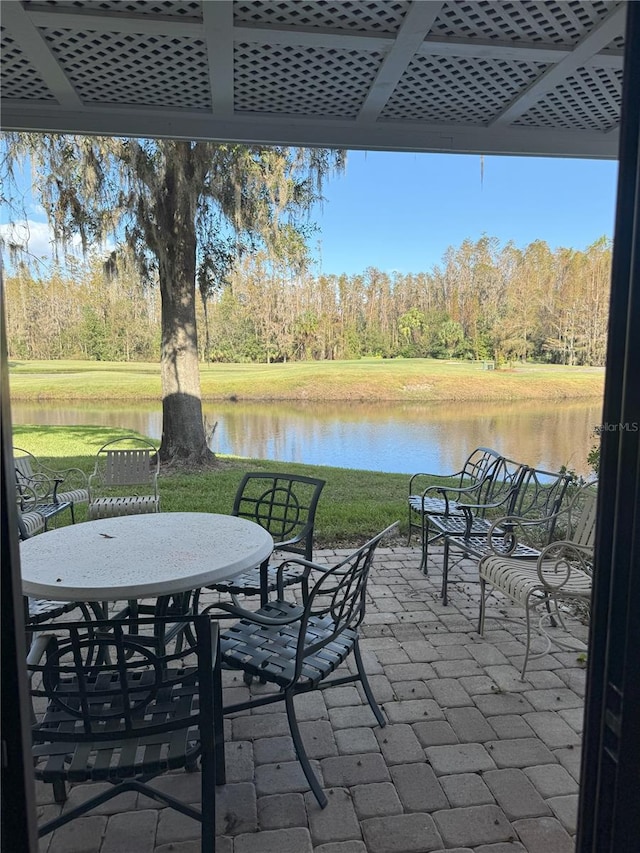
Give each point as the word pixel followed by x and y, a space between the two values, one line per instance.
pixel 140 556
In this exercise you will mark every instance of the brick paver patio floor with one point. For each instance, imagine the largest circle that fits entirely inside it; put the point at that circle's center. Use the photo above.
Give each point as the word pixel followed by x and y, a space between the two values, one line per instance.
pixel 472 758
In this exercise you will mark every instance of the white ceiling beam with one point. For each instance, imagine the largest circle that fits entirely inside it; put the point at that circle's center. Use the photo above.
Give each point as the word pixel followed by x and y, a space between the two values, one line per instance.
pixel 101 21
pixel 218 30
pixel 509 51
pixel 415 26
pixel 35 48
pixel 601 36
pixel 313 37
pixel 257 128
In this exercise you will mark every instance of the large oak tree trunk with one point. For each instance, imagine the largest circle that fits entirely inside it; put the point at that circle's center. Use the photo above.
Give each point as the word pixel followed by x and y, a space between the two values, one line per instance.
pixel 183 435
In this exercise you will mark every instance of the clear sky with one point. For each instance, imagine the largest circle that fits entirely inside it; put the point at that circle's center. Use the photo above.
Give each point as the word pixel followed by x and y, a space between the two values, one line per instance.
pixel 396 211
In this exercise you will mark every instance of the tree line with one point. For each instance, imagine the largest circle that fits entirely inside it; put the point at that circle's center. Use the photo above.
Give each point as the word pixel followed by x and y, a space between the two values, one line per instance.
pixel 482 301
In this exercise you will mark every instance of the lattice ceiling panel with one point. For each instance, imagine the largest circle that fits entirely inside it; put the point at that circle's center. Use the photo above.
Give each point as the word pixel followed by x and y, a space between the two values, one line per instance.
pixel 170 8
pixel 347 73
pixel 303 81
pixel 524 20
pixel 381 16
pixel 458 90
pixel 136 69
pixel 588 100
pixel 20 79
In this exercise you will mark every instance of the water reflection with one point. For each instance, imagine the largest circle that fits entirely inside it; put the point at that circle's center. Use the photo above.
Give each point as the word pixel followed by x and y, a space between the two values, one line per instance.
pixel 378 436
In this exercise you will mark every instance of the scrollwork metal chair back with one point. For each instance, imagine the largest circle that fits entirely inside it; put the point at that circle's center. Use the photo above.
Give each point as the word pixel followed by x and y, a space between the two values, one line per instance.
pixel 285 505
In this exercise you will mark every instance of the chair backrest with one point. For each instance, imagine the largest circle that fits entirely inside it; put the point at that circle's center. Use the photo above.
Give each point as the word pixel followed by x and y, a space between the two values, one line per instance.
pixel 135 462
pixel 284 504
pixel 541 495
pixel 103 684
pixel 577 522
pixel 479 467
pixel 501 485
pixel 25 464
pixel 338 599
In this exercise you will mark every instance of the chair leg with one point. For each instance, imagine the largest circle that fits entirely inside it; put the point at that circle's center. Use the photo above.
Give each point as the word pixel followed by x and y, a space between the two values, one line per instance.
pixel 445 571
pixel 208 795
pixel 218 723
pixel 425 544
pixel 302 753
pixel 528 647
pixel 367 687
pixel 59 791
pixel 304 588
pixel 483 604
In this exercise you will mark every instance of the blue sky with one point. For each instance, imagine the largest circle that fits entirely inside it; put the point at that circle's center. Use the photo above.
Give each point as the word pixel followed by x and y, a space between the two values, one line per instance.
pixel 400 212
pixel 396 211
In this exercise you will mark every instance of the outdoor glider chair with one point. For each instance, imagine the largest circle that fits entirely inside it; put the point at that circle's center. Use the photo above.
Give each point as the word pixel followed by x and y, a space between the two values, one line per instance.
pixel 427 500
pixel 285 505
pixel 108 709
pixel 297 647
pixel 538 498
pixel 124 479
pixel 561 571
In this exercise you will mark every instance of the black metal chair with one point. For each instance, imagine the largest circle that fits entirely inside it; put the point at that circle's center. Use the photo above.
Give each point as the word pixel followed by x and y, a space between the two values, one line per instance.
pixel 428 499
pixel 297 647
pixel 285 505
pixel 107 708
pixel 499 494
pixel 539 495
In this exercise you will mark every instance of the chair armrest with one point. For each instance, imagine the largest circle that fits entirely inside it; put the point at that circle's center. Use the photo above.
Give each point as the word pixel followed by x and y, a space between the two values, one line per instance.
pixel 506 529
pixel 454 476
pixel 448 494
pixel 250 615
pixel 561 558
pixel 306 531
pixel 468 509
pixel 36 490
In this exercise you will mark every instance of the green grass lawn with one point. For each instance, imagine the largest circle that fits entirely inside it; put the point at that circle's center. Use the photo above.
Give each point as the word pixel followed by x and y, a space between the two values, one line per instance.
pixel 397 380
pixel 354 504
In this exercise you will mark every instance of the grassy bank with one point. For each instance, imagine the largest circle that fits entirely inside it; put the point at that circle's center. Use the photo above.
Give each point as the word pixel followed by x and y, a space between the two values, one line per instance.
pixel 398 380
pixel 354 504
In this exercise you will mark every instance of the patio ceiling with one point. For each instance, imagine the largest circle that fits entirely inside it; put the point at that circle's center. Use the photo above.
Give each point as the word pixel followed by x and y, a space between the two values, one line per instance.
pixel 524 77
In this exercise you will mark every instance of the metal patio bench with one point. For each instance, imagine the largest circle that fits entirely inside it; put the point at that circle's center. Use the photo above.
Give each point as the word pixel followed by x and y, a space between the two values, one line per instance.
pixel 38 501
pixel 561 571
pixel 72 483
pixel 427 500
pixel 125 479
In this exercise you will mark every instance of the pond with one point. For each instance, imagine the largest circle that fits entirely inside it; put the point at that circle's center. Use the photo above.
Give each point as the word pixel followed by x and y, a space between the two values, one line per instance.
pixel 392 437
